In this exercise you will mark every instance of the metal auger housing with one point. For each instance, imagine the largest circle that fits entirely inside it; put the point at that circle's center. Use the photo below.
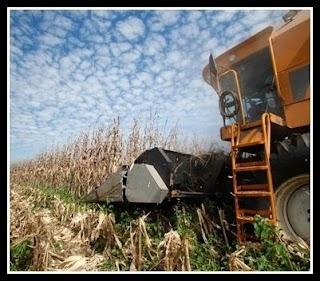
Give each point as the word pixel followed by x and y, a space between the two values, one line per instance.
pixel 158 174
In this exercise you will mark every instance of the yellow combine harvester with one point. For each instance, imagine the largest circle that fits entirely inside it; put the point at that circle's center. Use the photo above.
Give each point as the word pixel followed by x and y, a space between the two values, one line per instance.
pixel 263 86
pixel 264 97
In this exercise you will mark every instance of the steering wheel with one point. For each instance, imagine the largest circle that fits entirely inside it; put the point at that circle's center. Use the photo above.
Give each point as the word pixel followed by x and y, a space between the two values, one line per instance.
pixel 228 104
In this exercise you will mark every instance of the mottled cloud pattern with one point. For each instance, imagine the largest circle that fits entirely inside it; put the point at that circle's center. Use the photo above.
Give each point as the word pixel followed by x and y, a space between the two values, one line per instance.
pixel 71 70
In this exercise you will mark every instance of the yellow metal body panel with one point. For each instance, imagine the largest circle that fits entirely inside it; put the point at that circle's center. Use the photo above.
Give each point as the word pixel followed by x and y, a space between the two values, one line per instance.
pixel 291 42
pixel 244 49
pixel 286 88
pixel 251 136
pixel 290 48
pixel 225 131
pixel 237 53
pixel 298 114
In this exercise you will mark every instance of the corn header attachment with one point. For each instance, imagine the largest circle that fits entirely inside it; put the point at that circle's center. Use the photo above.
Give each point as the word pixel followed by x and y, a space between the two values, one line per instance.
pixel 158 174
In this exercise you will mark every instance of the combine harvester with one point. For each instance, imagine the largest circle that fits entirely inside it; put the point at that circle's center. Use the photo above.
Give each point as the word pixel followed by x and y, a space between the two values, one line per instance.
pixel 263 86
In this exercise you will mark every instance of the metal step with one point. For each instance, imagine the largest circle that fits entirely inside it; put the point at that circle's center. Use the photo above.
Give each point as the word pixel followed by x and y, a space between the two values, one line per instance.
pixel 252 187
pixel 251 163
pixel 247 144
pixel 252 213
pixel 249 219
pixel 250 168
pixel 245 219
pixel 253 193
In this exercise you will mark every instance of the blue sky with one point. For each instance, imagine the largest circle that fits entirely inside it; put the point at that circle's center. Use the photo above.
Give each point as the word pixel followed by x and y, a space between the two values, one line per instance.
pixel 73 70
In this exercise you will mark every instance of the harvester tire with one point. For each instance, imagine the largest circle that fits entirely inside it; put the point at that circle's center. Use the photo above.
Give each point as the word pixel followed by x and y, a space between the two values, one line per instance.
pixel 293 207
pixel 291 181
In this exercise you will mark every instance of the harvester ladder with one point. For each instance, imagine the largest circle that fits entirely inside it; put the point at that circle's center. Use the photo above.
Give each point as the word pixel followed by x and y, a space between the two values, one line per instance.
pixel 243 137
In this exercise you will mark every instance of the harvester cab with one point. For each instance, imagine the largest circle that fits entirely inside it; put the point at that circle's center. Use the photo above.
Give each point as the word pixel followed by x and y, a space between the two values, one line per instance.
pixel 267 73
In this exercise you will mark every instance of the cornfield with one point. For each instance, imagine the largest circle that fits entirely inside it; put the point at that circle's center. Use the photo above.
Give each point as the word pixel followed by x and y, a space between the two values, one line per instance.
pixel 51 229
pixel 90 158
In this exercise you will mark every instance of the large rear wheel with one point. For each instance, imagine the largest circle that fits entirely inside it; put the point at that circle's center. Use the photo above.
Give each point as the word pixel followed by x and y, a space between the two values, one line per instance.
pixel 291 179
pixel 293 207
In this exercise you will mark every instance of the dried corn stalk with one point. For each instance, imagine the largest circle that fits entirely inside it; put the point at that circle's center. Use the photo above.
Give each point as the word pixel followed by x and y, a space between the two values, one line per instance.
pixel 235 263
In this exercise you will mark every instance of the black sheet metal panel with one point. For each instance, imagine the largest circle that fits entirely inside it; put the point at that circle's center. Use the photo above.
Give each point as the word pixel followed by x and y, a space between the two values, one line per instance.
pixel 164 161
pixel 185 171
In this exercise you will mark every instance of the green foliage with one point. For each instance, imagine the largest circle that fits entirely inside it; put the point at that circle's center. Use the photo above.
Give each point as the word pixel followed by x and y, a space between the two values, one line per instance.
pixel 184 221
pixel 62 192
pixel 21 256
pixel 155 230
pixel 114 263
pixel 205 257
pixel 265 231
pixel 273 253
pixel 66 196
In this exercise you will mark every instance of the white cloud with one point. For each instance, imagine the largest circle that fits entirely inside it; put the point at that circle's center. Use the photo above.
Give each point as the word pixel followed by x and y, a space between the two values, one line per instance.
pixel 15 51
pixel 47 113
pixel 103 14
pixel 136 82
pixel 130 56
pixel 103 50
pixel 85 64
pixel 50 40
pixel 75 41
pixel 64 22
pixel 234 29
pixel 167 17
pixel 194 16
pixel 224 16
pixel 118 48
pixel 190 31
pixel 57 31
pixel 168 75
pixel 174 58
pixel 154 44
pixel 131 28
pixel 160 20
pixel 96 39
